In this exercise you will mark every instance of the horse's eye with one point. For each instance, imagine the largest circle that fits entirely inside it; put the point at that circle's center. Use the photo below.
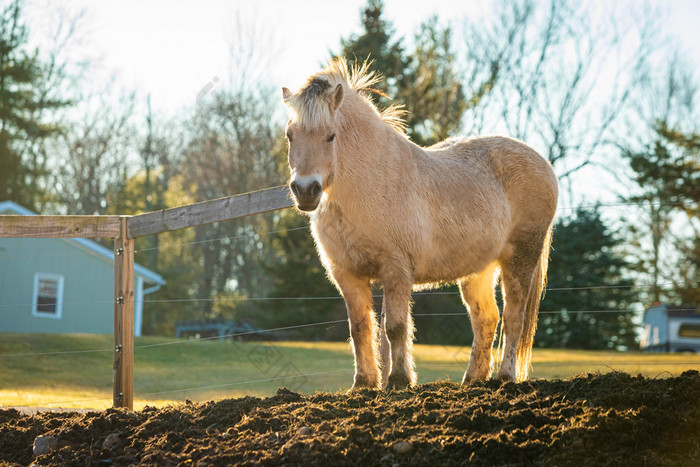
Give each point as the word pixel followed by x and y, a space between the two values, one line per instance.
pixel 289 137
pixel 331 138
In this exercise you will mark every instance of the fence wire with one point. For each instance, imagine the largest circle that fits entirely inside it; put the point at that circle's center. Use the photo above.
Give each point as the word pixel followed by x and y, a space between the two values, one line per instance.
pixel 234 237
pixel 296 326
pixel 240 383
pixel 286 328
pixel 582 364
pixel 240 334
pixel 338 297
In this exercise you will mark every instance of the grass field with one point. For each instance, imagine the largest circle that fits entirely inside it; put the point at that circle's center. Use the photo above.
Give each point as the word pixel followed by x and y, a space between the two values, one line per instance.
pixel 168 370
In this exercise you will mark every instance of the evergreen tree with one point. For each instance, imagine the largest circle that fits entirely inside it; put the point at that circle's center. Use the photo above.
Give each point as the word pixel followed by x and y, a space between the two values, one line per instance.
pixel 377 43
pixel 585 256
pixel 668 178
pixel 424 80
pixel 20 72
pixel 431 89
pixel 679 170
pixel 174 256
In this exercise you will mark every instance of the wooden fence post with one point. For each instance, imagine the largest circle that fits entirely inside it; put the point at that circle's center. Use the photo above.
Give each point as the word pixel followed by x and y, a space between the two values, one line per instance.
pixel 123 318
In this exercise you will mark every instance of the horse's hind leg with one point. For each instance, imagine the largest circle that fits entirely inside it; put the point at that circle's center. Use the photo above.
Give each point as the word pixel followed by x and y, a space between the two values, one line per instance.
pixel 363 327
pixel 399 328
pixel 477 295
pixel 517 272
pixel 384 351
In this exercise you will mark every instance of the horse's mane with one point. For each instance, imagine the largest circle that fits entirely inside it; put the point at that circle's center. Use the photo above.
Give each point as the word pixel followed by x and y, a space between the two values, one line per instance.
pixel 310 104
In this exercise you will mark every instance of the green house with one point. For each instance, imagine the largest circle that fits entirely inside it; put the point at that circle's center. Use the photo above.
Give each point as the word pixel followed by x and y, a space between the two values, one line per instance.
pixel 62 285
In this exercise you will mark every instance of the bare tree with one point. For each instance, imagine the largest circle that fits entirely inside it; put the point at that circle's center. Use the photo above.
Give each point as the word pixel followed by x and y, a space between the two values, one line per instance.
pixel 564 75
pixel 232 147
pixel 93 157
pixel 663 154
pixel 159 162
pixel 668 93
pixel 252 49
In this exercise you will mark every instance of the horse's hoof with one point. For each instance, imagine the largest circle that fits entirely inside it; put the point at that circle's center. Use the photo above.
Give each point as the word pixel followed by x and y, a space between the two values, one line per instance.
pixel 362 382
pixel 505 377
pixel 474 379
pixel 398 381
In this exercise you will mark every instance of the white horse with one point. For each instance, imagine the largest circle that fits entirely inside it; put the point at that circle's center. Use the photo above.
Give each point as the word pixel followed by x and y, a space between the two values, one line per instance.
pixel 385 209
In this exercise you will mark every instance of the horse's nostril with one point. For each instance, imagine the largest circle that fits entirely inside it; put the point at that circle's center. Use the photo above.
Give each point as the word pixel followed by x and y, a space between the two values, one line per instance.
pixel 315 189
pixel 295 188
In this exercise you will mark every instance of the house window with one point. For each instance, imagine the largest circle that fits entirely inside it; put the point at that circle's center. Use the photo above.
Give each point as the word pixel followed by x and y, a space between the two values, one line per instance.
pixel 689 330
pixel 48 295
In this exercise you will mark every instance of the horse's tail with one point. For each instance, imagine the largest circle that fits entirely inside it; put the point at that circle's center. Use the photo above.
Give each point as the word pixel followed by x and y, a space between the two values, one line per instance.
pixel 532 307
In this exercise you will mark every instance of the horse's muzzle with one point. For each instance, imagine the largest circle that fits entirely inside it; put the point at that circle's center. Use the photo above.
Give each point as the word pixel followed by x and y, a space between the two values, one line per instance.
pixel 306 195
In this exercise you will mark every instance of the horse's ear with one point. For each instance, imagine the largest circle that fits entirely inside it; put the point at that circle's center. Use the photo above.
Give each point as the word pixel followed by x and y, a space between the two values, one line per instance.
pixel 337 98
pixel 286 94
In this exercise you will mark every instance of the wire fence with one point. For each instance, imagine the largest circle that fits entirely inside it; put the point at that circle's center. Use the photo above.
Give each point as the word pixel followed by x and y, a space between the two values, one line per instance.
pixel 257 235
pixel 184 341
pixel 665 285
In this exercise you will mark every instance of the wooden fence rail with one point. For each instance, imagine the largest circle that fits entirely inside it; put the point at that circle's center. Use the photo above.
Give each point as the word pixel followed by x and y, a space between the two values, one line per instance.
pixel 207 212
pixel 124 229
pixel 59 226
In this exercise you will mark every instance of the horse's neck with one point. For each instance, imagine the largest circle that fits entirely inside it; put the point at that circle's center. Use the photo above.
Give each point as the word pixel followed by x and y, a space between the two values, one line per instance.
pixel 373 161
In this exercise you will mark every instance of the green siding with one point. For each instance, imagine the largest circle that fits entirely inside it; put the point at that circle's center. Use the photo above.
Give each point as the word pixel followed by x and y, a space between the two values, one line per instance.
pixel 87 289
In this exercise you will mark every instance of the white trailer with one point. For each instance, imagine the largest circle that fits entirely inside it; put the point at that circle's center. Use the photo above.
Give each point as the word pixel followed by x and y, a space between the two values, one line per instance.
pixel 668 329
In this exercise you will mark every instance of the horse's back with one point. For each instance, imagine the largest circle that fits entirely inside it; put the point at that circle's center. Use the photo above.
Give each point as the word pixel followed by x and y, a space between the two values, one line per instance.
pixel 526 177
pixel 507 157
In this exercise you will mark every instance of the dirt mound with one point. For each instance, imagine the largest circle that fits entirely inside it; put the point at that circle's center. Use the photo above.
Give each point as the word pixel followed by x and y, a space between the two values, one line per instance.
pixel 595 419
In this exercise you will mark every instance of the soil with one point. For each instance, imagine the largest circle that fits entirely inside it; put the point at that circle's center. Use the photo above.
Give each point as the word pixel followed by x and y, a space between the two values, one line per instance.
pixel 613 419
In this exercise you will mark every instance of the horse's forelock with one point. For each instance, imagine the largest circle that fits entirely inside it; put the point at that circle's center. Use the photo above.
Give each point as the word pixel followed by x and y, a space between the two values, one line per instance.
pixel 315 87
pixel 309 106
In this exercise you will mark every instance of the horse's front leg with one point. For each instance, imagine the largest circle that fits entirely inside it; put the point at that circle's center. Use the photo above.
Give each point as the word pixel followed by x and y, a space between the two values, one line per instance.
pixel 399 329
pixel 363 327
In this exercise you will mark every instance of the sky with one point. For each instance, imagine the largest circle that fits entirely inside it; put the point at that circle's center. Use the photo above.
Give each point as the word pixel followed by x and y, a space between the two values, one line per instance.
pixel 171 50
pixel 175 50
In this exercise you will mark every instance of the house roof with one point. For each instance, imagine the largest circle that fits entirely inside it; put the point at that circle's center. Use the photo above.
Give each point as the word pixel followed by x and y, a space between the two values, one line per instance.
pixel 686 311
pixel 92 247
